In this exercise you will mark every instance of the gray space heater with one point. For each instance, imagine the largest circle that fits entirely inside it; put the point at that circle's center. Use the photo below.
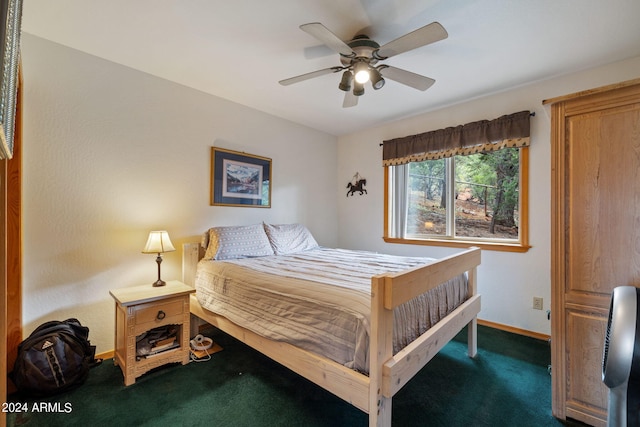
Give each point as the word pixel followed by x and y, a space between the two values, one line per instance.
pixel 621 359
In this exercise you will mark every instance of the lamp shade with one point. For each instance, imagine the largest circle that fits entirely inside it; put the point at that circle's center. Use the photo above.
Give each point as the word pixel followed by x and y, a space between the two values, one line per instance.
pixel 345 83
pixel 158 243
pixel 376 79
pixel 361 72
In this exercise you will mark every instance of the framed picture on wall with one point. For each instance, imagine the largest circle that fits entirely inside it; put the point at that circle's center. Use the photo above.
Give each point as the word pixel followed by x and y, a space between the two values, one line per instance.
pixel 10 28
pixel 240 179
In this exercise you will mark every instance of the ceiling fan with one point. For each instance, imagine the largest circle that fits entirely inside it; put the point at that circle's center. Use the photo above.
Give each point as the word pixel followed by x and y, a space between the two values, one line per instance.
pixel 360 56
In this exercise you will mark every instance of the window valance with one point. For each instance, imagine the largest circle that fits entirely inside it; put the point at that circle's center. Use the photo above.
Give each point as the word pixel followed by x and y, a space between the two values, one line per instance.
pixel 476 137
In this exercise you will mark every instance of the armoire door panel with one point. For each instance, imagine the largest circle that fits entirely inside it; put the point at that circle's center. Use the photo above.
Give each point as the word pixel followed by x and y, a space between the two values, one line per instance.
pixel 585 343
pixel 603 199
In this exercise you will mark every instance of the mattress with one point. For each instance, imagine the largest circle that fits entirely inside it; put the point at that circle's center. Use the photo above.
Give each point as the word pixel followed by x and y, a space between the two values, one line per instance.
pixel 320 299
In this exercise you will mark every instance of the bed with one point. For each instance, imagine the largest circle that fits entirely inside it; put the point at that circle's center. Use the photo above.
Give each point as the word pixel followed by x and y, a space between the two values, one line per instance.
pixel 343 342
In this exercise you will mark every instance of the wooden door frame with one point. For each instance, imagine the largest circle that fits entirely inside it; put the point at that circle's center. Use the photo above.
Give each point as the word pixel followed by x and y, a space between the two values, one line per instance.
pixel 3 288
pixel 11 254
pixel 14 238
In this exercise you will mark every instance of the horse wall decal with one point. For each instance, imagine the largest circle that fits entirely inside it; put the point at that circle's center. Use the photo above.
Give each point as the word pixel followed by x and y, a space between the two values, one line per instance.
pixel 358 186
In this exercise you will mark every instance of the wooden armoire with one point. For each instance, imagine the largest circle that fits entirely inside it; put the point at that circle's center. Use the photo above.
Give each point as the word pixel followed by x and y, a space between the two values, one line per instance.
pixel 595 216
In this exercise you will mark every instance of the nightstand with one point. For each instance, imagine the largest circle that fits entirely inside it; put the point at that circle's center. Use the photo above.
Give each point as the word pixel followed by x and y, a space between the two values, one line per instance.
pixel 142 309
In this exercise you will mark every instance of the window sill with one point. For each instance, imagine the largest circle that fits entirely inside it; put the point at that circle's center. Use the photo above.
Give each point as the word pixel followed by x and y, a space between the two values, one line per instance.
pixel 459 243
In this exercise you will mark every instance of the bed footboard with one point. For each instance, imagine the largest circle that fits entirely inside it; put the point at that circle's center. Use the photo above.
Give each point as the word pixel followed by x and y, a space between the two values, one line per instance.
pixel 388 373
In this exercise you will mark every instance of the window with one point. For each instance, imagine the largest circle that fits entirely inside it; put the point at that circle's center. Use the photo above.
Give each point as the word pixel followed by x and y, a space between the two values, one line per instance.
pixel 465 197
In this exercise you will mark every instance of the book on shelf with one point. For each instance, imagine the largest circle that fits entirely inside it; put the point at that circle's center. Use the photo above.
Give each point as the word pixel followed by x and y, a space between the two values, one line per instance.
pixel 163 347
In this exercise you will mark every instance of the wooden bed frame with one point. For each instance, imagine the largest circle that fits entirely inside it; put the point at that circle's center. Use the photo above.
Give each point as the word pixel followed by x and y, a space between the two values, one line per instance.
pixel 388 373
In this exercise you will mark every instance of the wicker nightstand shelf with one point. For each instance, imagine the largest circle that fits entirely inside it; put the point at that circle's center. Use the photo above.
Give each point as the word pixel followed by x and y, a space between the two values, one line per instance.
pixel 141 309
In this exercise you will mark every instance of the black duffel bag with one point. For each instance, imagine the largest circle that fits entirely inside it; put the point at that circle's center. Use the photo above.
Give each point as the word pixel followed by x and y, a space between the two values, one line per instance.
pixel 56 357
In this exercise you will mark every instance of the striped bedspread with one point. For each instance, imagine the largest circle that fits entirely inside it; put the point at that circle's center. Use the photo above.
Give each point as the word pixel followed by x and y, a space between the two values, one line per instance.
pixel 320 299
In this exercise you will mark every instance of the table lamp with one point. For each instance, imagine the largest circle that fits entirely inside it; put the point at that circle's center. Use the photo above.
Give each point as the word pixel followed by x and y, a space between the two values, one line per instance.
pixel 158 243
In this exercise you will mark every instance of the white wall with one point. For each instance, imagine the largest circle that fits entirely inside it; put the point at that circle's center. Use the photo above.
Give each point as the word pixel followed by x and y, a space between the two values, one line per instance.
pixel 111 153
pixel 507 281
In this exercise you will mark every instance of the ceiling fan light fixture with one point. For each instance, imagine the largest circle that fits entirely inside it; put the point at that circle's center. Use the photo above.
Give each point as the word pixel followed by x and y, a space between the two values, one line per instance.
pixel 376 79
pixel 358 88
pixel 362 76
pixel 361 71
pixel 359 60
pixel 345 83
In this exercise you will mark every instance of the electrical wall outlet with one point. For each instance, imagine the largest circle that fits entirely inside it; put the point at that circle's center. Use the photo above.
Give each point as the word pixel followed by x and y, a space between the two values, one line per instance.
pixel 537 303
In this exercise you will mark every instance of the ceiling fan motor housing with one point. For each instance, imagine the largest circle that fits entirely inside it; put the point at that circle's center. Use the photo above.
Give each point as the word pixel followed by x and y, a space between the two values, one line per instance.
pixel 621 359
pixel 362 46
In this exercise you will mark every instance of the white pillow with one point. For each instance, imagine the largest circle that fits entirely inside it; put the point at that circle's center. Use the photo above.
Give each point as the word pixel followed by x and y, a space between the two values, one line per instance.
pixel 289 238
pixel 233 242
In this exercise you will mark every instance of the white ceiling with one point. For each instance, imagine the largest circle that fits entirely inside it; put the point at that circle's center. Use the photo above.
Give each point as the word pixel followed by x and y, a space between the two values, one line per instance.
pixel 239 50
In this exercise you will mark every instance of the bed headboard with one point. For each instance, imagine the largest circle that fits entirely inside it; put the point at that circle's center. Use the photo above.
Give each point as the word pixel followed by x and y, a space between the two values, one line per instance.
pixel 191 254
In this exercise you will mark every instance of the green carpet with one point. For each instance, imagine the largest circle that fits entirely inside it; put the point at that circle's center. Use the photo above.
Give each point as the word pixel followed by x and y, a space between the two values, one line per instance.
pixel 506 384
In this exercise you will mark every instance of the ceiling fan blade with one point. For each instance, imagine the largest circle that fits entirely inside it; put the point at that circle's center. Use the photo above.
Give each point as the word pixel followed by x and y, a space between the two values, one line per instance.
pixel 421 37
pixel 350 100
pixel 405 77
pixel 323 34
pixel 307 76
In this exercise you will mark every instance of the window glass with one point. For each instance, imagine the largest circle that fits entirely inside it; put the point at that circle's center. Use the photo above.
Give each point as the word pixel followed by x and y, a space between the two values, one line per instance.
pixel 427 198
pixel 474 198
pixel 486 195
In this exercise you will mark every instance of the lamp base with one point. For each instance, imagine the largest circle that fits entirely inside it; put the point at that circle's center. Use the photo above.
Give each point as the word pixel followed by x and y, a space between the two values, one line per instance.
pixel 159 283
